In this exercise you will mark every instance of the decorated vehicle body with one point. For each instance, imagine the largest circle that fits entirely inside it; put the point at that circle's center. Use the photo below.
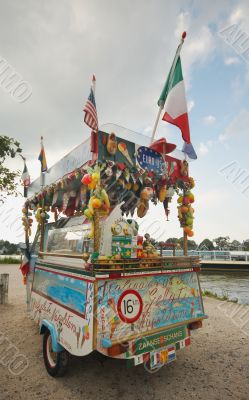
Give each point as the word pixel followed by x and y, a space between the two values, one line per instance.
pixel 95 283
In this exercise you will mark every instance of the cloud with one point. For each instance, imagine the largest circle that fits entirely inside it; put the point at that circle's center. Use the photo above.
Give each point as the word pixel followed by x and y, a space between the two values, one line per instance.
pixel 191 105
pixel 237 127
pixel 203 149
pixel 129 77
pixel 198 45
pixel 240 16
pixel 222 138
pixel 238 87
pixel 56 49
pixel 231 61
pixel 209 120
pixel 211 197
pixel 236 16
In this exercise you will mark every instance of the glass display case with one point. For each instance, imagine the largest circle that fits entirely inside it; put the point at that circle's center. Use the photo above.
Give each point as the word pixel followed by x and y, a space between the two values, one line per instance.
pixel 69 236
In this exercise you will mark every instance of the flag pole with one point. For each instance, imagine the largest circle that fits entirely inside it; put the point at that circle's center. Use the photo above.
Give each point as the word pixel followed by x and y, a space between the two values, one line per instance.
pixel 94 83
pixel 156 123
pixel 42 176
pixel 25 188
pixel 42 224
pixel 184 34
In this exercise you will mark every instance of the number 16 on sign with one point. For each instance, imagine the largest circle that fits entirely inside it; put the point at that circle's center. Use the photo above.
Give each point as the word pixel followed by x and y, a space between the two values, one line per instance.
pixel 130 306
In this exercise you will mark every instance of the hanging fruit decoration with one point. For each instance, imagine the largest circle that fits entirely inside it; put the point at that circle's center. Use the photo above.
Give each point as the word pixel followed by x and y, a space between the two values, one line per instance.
pixel 87 179
pixel 27 220
pixel 185 210
pixel 162 194
pixel 40 213
pixel 98 186
pixel 99 199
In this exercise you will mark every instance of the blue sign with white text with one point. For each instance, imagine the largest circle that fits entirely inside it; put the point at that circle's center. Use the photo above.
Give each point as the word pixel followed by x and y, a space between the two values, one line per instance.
pixel 151 160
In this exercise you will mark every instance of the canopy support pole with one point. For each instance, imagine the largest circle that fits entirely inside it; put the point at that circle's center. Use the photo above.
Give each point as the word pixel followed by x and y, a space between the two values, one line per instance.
pixel 185 244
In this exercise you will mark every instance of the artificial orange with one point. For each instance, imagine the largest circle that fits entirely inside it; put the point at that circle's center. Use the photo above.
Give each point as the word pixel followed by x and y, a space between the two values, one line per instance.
pixel 96 203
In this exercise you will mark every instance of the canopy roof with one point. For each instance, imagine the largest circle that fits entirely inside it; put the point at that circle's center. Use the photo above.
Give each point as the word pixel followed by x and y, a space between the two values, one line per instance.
pixel 82 153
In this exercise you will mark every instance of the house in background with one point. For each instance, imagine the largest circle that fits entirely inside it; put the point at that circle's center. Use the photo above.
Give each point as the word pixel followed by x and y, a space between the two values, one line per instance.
pixel 3 250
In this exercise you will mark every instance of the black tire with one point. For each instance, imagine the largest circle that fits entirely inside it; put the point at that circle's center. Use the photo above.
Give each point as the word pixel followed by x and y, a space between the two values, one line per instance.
pixel 56 363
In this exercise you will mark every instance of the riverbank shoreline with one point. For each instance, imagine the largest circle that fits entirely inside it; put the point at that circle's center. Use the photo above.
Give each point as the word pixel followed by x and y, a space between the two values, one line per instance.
pixel 226 286
pixel 215 366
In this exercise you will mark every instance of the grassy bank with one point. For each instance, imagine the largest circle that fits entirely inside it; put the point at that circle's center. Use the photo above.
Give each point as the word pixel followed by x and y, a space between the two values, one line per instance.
pixel 10 260
pixel 223 297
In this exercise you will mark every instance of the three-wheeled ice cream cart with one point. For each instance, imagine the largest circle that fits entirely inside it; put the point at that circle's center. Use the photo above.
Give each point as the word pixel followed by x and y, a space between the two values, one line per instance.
pixel 94 282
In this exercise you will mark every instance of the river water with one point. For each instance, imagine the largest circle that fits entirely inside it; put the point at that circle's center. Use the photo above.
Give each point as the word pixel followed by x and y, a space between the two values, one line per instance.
pixel 234 285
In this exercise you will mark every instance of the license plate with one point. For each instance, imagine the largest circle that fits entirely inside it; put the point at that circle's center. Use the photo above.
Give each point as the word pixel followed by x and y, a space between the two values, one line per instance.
pixel 162 357
pixel 160 340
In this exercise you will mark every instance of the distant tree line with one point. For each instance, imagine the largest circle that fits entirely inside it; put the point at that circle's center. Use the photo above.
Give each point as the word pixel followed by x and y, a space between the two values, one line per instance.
pixel 8 248
pixel 219 243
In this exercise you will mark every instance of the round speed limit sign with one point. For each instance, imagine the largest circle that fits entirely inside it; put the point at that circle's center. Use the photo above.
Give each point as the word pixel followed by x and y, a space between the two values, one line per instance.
pixel 130 306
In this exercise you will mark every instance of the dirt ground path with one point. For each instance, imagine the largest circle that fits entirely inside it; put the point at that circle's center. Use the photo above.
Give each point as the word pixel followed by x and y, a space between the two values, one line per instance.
pixel 215 366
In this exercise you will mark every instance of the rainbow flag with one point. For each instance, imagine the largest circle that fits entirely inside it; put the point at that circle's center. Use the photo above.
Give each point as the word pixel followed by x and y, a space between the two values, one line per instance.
pixel 42 158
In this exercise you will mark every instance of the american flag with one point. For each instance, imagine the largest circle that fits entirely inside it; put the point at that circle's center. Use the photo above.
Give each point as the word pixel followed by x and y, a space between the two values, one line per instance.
pixel 91 118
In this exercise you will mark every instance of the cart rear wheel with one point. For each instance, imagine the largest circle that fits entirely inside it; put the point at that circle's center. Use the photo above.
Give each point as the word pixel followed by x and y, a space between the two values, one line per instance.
pixel 56 363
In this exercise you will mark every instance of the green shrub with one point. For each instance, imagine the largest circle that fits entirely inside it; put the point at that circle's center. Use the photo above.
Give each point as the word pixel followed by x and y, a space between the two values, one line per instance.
pixel 10 260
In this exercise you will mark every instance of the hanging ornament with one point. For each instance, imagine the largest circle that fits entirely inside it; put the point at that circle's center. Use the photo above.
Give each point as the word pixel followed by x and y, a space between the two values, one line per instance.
pixel 108 172
pixel 170 192
pixel 191 182
pixel 184 168
pixel 66 197
pixel 133 177
pixel 166 209
pixel 87 179
pixel 118 173
pixel 142 208
pixel 91 185
pixel 112 144
pixel 162 194
pixel 55 214
pixel 127 174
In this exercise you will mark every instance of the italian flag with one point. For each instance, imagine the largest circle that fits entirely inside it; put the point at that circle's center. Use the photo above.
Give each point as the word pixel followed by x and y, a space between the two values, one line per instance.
pixel 173 98
pixel 24 267
pixel 25 176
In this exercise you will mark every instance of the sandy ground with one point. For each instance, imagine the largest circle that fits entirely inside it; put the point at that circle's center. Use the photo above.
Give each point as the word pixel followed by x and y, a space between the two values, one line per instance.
pixel 215 366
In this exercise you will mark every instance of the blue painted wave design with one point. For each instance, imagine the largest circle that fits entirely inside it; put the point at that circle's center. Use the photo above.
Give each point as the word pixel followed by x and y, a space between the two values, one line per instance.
pixel 68 296
pixel 75 283
pixel 67 291
pixel 170 312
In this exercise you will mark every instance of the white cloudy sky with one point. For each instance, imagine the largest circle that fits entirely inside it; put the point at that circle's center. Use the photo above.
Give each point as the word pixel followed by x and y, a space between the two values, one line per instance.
pixel 129 45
